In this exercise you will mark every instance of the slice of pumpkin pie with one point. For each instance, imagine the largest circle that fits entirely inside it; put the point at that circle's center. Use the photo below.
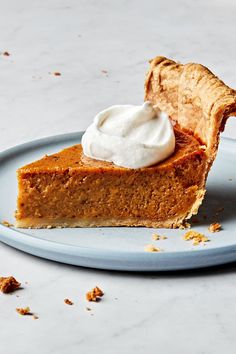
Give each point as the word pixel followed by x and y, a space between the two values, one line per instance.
pixel 70 189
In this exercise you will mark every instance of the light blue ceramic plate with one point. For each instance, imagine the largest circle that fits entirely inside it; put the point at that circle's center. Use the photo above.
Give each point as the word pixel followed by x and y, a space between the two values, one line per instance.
pixel 122 248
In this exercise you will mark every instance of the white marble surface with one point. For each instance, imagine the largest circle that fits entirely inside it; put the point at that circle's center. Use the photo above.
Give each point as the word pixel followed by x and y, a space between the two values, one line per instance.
pixel 192 312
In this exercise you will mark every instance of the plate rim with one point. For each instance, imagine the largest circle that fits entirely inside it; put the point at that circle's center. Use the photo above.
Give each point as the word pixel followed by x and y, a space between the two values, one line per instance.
pixel 11 236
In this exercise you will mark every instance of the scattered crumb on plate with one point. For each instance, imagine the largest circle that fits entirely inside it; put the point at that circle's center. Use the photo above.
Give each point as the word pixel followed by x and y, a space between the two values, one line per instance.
pixel 196 237
pixel 151 248
pixel 8 284
pixel 157 237
pixel 215 227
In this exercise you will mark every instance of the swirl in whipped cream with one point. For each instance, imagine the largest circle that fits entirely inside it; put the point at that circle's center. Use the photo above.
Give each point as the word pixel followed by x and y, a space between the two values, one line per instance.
pixel 130 136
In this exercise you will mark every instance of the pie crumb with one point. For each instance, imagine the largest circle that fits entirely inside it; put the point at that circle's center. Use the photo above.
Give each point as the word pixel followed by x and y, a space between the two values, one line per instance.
pixel 68 302
pixel 57 73
pixel 185 226
pixel 8 284
pixel 24 311
pixel 95 294
pixel 215 227
pixel 88 309
pixel 163 238
pixel 151 248
pixel 155 237
pixel 196 237
pixel 35 317
pixel 7 223
pixel 7 54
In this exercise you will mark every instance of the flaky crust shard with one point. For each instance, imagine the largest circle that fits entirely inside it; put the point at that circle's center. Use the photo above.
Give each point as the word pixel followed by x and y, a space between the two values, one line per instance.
pixel 197 100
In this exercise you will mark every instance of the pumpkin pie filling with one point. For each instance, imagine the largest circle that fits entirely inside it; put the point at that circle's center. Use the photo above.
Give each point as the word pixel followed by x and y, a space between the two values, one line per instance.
pixel 70 189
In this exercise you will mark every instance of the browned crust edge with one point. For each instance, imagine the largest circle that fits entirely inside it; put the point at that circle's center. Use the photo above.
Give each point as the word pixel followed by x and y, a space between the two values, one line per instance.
pixel 193 97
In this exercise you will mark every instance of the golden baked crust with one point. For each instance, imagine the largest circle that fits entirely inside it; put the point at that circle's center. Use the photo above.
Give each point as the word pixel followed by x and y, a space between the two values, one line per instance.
pixel 194 97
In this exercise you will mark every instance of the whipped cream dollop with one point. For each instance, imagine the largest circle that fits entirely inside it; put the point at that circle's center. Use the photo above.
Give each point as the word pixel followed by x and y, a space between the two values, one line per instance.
pixel 130 136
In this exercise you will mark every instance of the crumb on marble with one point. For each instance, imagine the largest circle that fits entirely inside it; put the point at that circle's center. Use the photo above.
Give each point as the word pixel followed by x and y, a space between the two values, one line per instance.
pixel 196 237
pixel 95 294
pixel 35 317
pixel 57 73
pixel 88 309
pixel 24 311
pixel 104 71
pixel 68 302
pixel 8 284
pixel 151 248
pixel 215 227
pixel 6 54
